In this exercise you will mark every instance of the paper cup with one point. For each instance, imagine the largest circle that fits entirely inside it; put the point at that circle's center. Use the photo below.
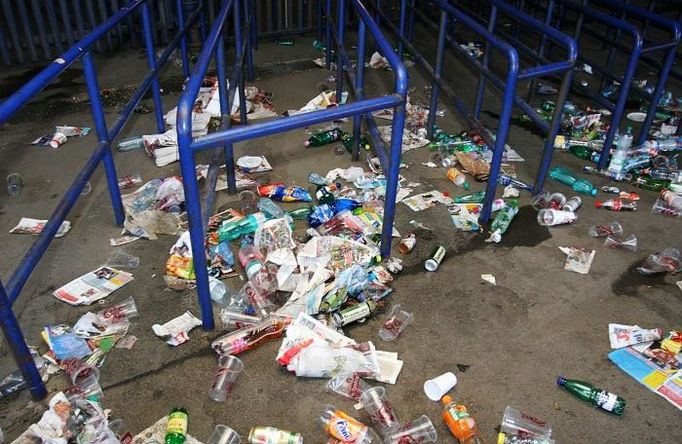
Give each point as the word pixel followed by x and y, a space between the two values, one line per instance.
pixel 437 387
pixel 548 217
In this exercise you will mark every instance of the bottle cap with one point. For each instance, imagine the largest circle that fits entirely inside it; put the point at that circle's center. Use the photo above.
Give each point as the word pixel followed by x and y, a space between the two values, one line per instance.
pixel 445 400
pixel 561 381
pixel 598 203
pixel 501 437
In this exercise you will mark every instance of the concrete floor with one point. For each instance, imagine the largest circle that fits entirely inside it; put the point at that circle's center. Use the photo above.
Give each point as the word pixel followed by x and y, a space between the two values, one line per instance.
pixel 506 343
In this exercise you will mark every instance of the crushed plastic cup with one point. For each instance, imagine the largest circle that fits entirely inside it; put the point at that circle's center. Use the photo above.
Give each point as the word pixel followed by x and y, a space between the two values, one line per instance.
pixel 666 261
pixel 397 320
pixel 223 434
pixel 15 182
pixel 235 319
pixel 418 431
pixel 557 201
pixel 437 387
pixel 87 388
pixel 549 217
pixel 515 422
pixel 629 243
pixel 379 408
pixel 540 201
pixel 121 259
pixel 614 228
pixel 122 311
pixel 350 386
pixel 129 181
pixel 77 370
pixel 225 376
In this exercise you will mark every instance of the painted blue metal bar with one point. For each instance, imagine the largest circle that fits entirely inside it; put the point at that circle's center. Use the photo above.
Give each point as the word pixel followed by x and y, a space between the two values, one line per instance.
pixel 183 43
pixel 452 15
pixel 151 61
pixel 188 147
pixel 102 154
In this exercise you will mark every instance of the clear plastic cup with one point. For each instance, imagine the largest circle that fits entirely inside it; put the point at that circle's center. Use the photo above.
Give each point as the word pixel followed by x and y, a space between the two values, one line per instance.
pixel 379 409
pixel 87 388
pixel 515 422
pixel 15 182
pixel 417 431
pixel 235 319
pixel 222 434
pixel 77 370
pixel 540 201
pixel 225 376
pixel 629 243
pixel 121 259
pixel 129 181
pixel 117 313
pixel 557 201
pixel 397 320
pixel 350 386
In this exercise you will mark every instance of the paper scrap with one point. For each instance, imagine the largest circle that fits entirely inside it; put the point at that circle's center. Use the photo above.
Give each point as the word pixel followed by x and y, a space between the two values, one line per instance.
pixel 177 329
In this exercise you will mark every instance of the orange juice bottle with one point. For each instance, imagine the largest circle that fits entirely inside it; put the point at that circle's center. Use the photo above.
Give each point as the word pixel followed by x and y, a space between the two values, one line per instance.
pixel 457 418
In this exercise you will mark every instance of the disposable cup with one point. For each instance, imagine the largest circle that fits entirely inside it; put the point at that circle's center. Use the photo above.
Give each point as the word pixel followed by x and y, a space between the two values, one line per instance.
pixel 87 388
pixel 395 323
pixel 550 217
pixel 119 312
pixel 418 431
pixel 225 376
pixel 437 387
pixel 222 434
pixel 121 259
pixel 379 409
pixel 540 201
pixel 518 423
pixel 557 200
pixel 77 370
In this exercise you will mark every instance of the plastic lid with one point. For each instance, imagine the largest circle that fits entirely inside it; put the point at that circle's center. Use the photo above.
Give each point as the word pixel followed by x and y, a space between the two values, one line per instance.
pixel 445 400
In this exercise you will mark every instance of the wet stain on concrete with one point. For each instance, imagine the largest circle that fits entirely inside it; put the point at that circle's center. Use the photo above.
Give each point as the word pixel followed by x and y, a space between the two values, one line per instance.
pixel 630 281
pixel 9 84
pixel 525 230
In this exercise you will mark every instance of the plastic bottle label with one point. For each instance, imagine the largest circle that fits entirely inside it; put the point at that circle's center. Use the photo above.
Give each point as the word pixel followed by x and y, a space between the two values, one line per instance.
pixel 458 412
pixel 345 428
pixel 606 400
pixel 356 313
pixel 177 423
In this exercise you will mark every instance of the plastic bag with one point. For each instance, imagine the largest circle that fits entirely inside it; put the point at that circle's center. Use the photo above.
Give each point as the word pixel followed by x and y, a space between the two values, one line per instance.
pixel 170 193
pixel 666 261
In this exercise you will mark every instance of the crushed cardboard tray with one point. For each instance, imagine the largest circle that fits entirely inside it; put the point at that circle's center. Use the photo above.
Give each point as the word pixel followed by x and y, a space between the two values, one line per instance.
pixel 158 432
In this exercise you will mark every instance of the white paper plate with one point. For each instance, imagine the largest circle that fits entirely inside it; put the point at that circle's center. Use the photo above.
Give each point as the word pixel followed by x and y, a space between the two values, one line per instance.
pixel 636 117
pixel 249 162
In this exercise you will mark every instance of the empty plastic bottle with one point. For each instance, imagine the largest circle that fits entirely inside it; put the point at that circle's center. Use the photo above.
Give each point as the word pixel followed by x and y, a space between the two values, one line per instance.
pixel 270 208
pixel 130 143
pixel 15 182
pixel 508 180
pixel 585 152
pixel 649 183
pixel 317 179
pixel 146 196
pixel 345 428
pixel 459 421
pixel 666 174
pixel 618 158
pixel 594 170
pixel 505 438
pixel 578 184
pixel 589 393
pixel 251 259
pixel 672 144
pixel 218 291
pixel 615 205
pixel 300 213
pixel 673 200
pixel 233 229
pixel 503 219
pixel 476 197
pixel 324 137
pixel 247 202
pixel 637 163
pixel 458 178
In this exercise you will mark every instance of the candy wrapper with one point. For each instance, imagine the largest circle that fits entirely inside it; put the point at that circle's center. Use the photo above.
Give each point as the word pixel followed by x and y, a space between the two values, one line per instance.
pixel 284 193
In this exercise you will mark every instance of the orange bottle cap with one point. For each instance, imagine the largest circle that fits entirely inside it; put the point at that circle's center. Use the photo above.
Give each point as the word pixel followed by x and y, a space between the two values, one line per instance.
pixel 446 399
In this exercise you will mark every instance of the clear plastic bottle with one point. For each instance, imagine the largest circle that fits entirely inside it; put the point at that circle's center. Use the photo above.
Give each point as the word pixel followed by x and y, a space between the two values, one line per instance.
pixel 345 428
pixel 130 143
pixel 251 259
pixel 618 158
pixel 146 196
pixel 505 180
pixel 270 208
pixel 578 184
pixel 219 292
pixel 233 229
pixel 615 205
pixel 673 200
pixel 666 174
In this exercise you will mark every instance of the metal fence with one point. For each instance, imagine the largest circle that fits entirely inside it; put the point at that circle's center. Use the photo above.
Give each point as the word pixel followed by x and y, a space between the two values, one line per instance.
pixel 33 31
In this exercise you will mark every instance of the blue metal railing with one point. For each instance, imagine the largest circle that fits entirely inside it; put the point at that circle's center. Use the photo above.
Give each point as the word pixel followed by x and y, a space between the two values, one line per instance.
pixel 451 16
pixel 81 50
pixel 617 19
pixel 224 138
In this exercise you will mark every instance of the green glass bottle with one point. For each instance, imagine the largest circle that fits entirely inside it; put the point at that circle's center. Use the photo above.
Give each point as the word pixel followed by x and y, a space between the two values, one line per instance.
pixel 578 184
pixel 476 197
pixel 505 216
pixel 325 137
pixel 588 393
pixel 347 140
pixel 649 183
pixel 300 213
pixel 176 429
pixel 584 152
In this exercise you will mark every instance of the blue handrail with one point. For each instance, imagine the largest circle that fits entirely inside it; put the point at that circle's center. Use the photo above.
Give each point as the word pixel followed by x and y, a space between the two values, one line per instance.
pixel 226 136
pixel 81 50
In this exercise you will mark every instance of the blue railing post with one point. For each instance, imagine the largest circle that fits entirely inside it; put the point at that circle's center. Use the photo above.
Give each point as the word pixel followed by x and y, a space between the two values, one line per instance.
pixel 656 96
pixel 341 39
pixel 225 112
pixel 239 54
pixel 401 27
pixel 151 61
pixel 103 136
pixel 183 40
pixel 249 46
pixel 480 91
pixel 359 88
pixel 328 37
pixel 437 72
pixel 15 340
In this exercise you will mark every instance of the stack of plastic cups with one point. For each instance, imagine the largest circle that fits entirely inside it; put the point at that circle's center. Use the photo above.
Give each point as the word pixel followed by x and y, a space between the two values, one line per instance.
pixel 418 431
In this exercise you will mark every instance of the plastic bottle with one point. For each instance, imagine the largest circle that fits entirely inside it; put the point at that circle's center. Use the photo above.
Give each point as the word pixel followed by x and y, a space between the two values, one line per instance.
pixel 251 259
pixel 129 181
pixel 324 137
pixel 459 422
pixel 594 170
pixel 130 143
pixel 218 291
pixel 673 200
pixel 508 180
pixel 666 174
pixel 345 428
pixel 503 219
pixel 272 435
pixel 270 208
pixel 588 393
pixel 355 312
pixel 618 158
pixel 458 178
pixel 638 163
pixel 347 141
pixel 176 429
pixel 146 196
pixel 649 183
pixel 585 152
pixel 476 197
pixel 247 202
pixel 233 229
pixel 578 184
pixel 245 339
pixel 615 205
pixel 317 179
pixel 300 213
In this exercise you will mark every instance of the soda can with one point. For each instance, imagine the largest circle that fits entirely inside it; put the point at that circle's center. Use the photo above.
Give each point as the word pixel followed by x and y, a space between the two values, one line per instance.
pixel 573 204
pixel 406 245
pixel 272 435
pixel 433 262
